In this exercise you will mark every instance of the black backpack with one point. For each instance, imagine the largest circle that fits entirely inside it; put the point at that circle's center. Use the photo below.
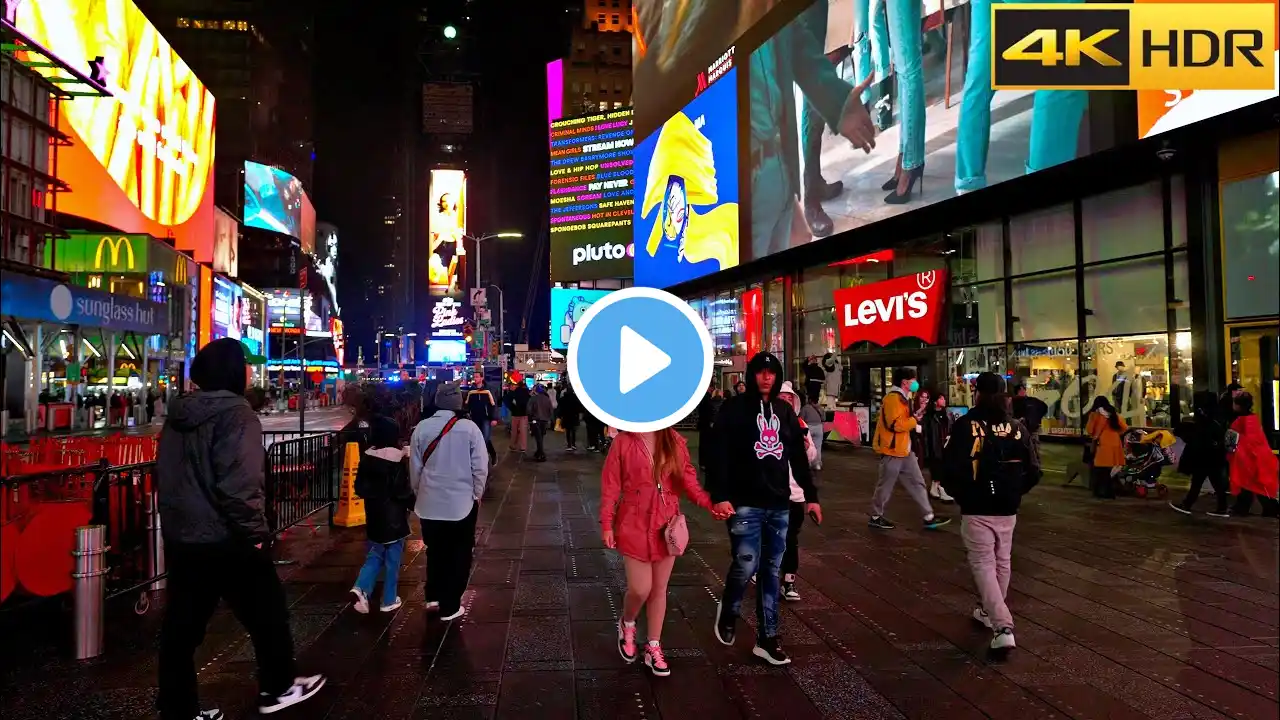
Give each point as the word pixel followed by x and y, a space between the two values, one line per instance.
pixel 1000 464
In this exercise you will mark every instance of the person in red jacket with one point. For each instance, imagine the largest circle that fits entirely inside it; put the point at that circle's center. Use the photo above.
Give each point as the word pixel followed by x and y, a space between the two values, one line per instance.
pixel 638 497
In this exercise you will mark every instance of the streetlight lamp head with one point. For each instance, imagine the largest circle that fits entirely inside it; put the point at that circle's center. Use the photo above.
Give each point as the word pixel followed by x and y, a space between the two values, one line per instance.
pixel 510 235
pixel 450 32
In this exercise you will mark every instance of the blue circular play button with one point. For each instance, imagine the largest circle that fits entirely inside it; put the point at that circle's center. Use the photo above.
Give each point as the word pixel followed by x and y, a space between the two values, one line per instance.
pixel 640 359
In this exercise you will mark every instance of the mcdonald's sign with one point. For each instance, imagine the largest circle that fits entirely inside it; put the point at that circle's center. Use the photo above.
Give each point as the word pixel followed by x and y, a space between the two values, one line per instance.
pixel 101 253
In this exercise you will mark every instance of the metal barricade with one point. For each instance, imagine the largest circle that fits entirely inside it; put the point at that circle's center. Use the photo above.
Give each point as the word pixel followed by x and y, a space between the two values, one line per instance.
pixel 302 479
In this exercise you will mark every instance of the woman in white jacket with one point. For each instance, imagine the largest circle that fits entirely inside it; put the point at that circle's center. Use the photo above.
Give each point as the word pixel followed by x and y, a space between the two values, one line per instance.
pixel 791 558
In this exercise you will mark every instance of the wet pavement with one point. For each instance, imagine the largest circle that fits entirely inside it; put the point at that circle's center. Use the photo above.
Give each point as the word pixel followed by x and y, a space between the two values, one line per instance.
pixel 1124 609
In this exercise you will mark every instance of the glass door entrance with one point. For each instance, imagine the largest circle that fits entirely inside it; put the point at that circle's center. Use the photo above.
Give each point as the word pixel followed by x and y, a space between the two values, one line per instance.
pixel 1254 353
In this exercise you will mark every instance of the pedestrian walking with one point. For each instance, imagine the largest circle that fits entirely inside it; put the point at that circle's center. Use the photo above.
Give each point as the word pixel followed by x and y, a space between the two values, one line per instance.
pixel 644 475
pixel 541 413
pixel 1105 449
pixel 1253 464
pixel 210 485
pixel 759 446
pixel 518 404
pixel 382 481
pixel 450 467
pixel 706 417
pixel 483 411
pixel 812 415
pixel 1204 457
pixel 990 464
pixel 795 519
pixel 891 440
pixel 570 412
pixel 934 428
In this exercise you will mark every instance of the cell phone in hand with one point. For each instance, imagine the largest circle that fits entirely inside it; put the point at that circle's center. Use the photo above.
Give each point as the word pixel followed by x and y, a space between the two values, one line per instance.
pixel 813 517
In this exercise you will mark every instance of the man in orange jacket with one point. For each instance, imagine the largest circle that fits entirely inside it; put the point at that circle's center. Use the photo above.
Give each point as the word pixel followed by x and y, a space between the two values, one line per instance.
pixel 892 442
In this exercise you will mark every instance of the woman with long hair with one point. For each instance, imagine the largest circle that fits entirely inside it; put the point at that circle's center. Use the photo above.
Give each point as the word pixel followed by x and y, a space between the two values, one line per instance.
pixel 935 427
pixel 642 476
pixel 1104 433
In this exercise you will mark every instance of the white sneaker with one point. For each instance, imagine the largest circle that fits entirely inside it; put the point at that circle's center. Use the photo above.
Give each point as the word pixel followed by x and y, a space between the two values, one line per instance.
pixel 393 606
pixel 214 714
pixel 981 616
pixel 361 603
pixel 943 496
pixel 1003 640
pixel 303 688
pixel 461 611
pixel 432 606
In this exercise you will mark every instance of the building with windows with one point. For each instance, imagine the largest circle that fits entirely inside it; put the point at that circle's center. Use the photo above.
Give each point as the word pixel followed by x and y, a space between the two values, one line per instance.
pixel 597 72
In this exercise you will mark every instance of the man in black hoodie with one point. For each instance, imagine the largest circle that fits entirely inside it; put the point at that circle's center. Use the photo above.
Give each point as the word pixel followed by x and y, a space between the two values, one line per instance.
pixel 758 447
pixel 210 478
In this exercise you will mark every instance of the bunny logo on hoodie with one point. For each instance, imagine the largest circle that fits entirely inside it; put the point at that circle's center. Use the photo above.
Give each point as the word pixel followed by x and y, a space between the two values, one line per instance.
pixel 769 442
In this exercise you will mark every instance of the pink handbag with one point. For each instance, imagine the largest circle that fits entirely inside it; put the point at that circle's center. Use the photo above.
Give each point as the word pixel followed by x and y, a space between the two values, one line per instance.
pixel 675 531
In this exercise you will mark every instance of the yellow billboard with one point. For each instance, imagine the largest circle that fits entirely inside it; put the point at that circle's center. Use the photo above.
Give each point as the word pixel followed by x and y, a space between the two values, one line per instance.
pixel 447 225
pixel 154 133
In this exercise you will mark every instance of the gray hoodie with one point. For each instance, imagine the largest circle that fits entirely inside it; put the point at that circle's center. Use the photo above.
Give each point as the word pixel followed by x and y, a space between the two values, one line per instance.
pixel 210 476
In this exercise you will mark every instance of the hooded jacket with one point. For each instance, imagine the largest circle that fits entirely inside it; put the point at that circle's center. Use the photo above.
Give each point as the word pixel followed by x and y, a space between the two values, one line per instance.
pixel 755 442
pixel 518 401
pixel 892 435
pixel 540 407
pixel 382 480
pixel 210 476
pixel 982 491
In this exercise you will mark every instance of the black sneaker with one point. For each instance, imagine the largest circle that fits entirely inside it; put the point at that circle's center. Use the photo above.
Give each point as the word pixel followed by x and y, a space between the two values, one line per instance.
pixel 880 523
pixel 214 714
pixel 789 592
pixel 770 651
pixel 936 522
pixel 1180 508
pixel 303 688
pixel 726 628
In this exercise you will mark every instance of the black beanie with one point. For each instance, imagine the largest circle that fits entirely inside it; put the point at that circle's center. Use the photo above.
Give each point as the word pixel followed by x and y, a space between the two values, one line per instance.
pixel 220 366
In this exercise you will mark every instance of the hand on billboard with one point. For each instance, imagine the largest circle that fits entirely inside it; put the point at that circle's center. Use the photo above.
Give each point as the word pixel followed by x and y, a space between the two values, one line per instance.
pixel 855 124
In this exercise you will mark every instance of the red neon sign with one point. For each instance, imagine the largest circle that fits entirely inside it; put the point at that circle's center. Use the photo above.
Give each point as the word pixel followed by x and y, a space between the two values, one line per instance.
pixel 753 321
pixel 886 311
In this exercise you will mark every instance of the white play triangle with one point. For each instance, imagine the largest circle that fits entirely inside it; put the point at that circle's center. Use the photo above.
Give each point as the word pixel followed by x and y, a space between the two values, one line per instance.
pixel 639 361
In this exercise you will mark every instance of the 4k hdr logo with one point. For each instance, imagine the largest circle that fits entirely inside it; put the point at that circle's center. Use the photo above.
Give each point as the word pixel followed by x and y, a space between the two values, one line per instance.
pixel 114 245
pixel 1144 46
pixel 883 312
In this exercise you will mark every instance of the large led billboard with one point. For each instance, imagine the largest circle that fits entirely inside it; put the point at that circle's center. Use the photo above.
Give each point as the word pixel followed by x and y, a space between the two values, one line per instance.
pixel 273 199
pixel 568 305
pixel 905 145
pixel 141 154
pixel 679 48
pixel 591 197
pixel 326 254
pixel 226 243
pixel 686 194
pixel 447 226
pixel 226 311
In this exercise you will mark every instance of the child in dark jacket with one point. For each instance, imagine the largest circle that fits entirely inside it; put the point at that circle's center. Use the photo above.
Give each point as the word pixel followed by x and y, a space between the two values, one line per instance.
pixel 990 465
pixel 383 482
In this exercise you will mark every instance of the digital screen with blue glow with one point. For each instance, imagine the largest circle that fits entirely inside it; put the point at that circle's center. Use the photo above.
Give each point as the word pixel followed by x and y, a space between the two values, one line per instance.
pixel 568 305
pixel 272 199
pixel 447 351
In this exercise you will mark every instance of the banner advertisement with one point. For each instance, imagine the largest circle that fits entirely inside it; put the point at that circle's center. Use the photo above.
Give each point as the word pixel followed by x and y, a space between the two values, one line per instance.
pixel 447 225
pixel 449 316
pixel 568 305
pixel 226 310
pixel 326 258
pixel 591 197
pixel 883 312
pixel 284 310
pixel 226 244
pixel 273 200
pixel 35 298
pixel 686 194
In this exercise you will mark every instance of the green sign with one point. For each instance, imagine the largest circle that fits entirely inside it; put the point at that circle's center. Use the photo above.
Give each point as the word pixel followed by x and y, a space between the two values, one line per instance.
pixel 99 253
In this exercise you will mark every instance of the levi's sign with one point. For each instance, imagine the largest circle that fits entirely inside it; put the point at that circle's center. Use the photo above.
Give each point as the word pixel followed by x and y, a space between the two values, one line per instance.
pixel 883 312
pixel 1142 46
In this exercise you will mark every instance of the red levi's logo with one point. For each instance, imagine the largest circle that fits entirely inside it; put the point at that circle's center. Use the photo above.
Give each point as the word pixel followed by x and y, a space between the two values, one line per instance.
pixel 902 307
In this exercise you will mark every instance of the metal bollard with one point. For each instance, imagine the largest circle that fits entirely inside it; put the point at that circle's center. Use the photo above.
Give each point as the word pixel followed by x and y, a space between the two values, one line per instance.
pixel 155 548
pixel 89 578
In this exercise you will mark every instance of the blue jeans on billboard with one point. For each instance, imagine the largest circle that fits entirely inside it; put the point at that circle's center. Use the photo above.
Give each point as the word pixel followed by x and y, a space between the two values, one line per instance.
pixel 382 556
pixel 1055 114
pixel 773 206
pixel 870 44
pixel 908 71
pixel 757 542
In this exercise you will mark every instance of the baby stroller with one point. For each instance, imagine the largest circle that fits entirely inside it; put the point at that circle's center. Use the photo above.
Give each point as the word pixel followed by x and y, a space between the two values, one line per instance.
pixel 1146 454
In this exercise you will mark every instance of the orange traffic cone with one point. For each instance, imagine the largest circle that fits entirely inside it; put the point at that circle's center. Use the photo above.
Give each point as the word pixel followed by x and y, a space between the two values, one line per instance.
pixel 350 511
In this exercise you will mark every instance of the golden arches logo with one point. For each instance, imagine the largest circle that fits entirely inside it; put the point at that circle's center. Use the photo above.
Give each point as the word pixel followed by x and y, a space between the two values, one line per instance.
pixel 114 244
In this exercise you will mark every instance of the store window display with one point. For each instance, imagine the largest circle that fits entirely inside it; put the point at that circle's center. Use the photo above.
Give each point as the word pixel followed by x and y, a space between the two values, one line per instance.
pixel 1051 372
pixel 964 365
pixel 1134 374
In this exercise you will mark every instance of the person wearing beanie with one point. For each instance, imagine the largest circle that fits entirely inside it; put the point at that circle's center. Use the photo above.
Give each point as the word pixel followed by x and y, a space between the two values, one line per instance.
pixel 758 446
pixel 211 489
pixel 449 468
pixel 382 480
pixel 990 464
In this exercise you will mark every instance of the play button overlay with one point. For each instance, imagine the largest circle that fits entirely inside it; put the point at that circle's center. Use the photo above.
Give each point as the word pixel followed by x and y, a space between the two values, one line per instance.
pixel 640 359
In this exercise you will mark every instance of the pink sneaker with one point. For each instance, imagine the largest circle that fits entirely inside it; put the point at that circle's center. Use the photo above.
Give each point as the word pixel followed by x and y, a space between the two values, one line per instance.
pixel 654 660
pixel 627 641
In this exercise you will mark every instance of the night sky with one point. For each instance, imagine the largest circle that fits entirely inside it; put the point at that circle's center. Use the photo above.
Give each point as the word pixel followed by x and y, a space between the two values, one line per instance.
pixel 367 88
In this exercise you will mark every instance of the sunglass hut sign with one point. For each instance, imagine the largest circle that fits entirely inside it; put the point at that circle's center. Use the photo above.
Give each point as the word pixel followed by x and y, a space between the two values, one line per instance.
pixel 883 312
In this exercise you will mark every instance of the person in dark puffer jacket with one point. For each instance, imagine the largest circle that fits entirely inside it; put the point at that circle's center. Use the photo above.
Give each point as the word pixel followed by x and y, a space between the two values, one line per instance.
pixel 211 489
pixel 383 481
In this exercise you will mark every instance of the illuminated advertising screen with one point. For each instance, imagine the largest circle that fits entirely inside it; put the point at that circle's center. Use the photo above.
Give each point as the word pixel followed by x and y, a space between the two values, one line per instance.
pixel 591 197
pixel 568 305
pixel 1163 110
pixel 942 146
pixel 555 90
pixel 227 309
pixel 686 199
pixel 441 352
pixel 447 225
pixel 284 310
pixel 253 309
pixel 449 316
pixel 141 154
pixel 205 315
pixel 326 255
pixel 677 48
pixel 307 225
pixel 226 243
pixel 273 199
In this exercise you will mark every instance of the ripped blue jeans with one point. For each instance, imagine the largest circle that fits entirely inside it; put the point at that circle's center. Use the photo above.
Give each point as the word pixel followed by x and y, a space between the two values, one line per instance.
pixel 757 542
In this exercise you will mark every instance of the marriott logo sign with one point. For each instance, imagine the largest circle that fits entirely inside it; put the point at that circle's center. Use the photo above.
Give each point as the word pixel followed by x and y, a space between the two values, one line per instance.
pixel 883 312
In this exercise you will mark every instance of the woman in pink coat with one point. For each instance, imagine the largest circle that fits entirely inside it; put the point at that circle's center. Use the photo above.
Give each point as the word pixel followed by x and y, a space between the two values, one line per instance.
pixel 642 476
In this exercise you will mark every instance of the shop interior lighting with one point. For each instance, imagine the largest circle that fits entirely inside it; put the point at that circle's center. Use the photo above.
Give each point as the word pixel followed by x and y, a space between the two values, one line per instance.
pixel 14 342
pixel 128 352
pixel 92 349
